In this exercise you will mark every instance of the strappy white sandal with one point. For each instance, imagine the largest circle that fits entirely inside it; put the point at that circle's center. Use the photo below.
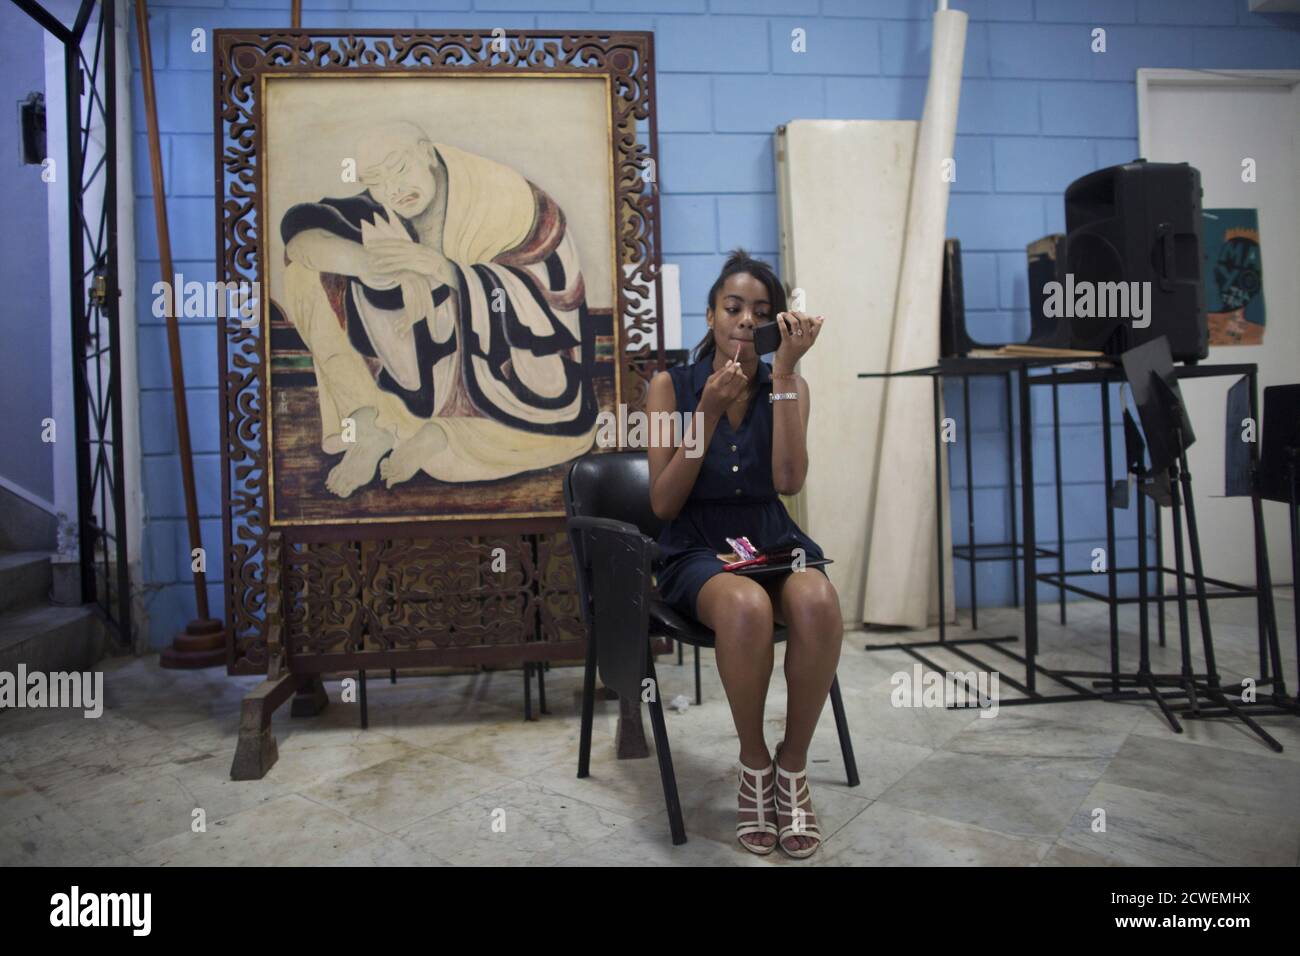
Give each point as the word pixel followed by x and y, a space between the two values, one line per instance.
pixel 763 813
pixel 794 799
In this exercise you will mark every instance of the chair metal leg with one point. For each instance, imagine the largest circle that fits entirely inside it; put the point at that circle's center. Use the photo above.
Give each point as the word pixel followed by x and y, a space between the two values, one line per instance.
pixel 361 696
pixel 588 710
pixel 528 691
pixel 392 676
pixel 666 774
pixel 541 688
pixel 698 699
pixel 680 646
pixel 842 726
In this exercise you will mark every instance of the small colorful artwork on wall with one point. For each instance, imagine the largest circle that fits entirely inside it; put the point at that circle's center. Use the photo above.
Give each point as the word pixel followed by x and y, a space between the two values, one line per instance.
pixel 1234 277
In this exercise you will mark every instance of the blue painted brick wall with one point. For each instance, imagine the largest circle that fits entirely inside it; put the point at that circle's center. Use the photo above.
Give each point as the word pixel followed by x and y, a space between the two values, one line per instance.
pixel 1038 108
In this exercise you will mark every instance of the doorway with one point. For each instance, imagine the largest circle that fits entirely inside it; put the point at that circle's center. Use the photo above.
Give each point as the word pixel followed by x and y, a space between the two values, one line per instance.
pixel 1230 124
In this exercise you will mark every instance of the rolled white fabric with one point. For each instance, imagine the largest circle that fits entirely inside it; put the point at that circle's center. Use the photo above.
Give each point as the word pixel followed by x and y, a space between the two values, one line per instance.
pixel 901 559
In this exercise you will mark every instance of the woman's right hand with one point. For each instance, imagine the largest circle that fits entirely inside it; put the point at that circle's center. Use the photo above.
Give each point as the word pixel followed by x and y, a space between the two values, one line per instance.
pixel 723 387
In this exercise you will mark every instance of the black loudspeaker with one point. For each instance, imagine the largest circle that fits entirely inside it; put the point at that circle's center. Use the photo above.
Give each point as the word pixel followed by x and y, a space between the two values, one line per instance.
pixel 1133 255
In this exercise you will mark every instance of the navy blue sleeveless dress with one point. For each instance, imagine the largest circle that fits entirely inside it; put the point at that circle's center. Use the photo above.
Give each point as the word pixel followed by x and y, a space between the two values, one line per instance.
pixel 733 493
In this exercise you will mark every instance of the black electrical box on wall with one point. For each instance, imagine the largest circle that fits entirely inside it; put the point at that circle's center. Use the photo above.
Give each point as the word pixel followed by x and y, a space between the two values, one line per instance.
pixel 31 119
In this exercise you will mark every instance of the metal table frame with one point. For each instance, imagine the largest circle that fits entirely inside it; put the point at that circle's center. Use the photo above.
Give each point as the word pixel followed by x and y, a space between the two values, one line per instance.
pixel 1103 373
pixel 973 553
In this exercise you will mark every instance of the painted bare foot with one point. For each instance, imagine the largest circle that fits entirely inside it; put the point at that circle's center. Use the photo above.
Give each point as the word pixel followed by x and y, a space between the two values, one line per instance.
pixel 412 454
pixel 360 460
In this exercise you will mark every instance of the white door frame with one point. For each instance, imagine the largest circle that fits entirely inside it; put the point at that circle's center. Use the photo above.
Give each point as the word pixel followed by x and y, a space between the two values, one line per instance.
pixel 1147 78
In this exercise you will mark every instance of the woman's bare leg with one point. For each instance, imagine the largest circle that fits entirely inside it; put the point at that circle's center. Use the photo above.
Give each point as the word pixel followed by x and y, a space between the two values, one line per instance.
pixel 739 612
pixel 810 610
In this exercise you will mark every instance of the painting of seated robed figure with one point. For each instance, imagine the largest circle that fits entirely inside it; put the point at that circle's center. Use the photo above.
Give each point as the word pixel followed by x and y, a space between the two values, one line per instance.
pixel 438 347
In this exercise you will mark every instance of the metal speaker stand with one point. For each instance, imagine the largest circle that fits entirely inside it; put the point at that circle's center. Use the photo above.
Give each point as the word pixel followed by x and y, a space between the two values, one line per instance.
pixel 1168 434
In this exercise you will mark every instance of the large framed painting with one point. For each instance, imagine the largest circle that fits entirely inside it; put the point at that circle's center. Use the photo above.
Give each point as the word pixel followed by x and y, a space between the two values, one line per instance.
pixel 453 239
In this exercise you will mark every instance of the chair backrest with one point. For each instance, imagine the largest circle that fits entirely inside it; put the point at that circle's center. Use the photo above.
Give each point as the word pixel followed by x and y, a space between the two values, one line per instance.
pixel 612 484
pixel 613 568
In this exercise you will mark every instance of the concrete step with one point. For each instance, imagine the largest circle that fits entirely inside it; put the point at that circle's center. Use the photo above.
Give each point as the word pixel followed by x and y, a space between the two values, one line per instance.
pixel 24 526
pixel 25 578
pixel 49 638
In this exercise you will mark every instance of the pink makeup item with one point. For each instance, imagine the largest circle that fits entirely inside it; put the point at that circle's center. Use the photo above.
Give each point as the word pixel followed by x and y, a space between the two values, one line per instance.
pixel 744 550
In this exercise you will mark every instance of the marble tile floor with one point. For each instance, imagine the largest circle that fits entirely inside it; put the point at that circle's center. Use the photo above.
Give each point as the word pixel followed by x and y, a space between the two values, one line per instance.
pixel 449 773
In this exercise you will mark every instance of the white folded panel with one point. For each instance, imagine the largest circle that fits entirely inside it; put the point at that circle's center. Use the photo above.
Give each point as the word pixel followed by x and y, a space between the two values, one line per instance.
pixel 842 187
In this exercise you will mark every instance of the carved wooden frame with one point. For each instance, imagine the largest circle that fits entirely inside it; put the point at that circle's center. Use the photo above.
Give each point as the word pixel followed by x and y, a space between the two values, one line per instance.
pixel 313 599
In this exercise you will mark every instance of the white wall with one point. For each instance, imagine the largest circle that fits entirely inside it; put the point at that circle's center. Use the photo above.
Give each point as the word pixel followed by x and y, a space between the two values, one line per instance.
pixel 60 327
pixel 25 468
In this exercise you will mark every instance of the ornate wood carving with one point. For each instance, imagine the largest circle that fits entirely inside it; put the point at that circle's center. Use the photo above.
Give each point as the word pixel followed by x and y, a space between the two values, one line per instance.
pixel 421 590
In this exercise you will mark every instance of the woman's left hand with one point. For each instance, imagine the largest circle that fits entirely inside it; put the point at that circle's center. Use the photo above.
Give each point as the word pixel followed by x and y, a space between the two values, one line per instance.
pixel 798 333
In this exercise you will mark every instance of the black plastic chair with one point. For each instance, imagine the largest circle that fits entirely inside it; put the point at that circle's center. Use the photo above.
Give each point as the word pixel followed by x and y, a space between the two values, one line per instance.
pixel 612 529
